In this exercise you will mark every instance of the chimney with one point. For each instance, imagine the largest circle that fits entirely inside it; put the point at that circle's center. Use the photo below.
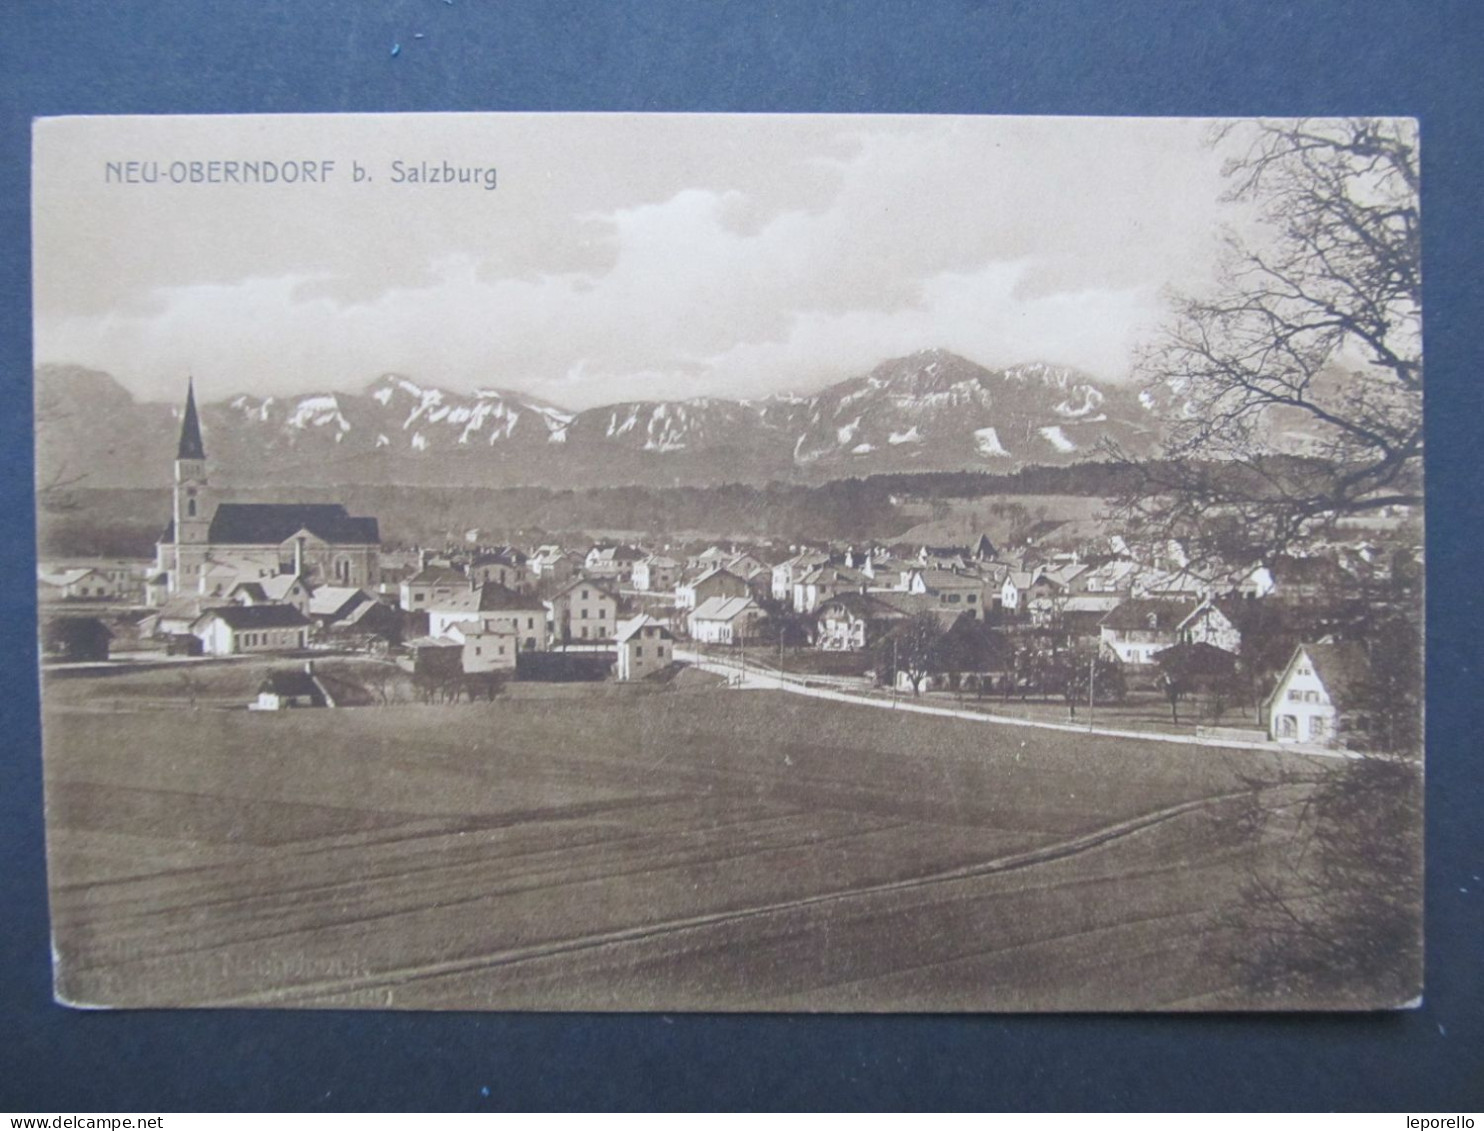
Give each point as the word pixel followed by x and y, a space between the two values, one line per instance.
pixel 308 667
pixel 299 556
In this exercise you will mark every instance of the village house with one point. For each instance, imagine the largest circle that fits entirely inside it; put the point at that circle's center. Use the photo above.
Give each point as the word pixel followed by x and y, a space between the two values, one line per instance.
pixel 709 558
pixel 105 580
pixel 656 574
pixel 852 622
pixel 645 646
pixel 551 565
pixel 330 603
pixel 524 615
pixel 814 588
pixel 430 585
pixel 723 620
pixel 76 584
pixel 504 565
pixel 279 589
pixel 489 645
pixel 787 572
pixel 718 581
pixel 962 592
pixel 236 629
pixel 583 610
pixel 281 690
pixel 1143 626
pixel 612 563
pixel 1318 693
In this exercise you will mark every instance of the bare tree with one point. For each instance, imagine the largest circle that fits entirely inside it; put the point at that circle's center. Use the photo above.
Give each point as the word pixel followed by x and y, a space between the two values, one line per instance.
pixel 1294 388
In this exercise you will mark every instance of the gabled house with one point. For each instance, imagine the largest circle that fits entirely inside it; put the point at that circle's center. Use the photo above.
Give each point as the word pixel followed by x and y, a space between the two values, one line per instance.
pixel 645 646
pixel 584 610
pixel 431 584
pixel 551 565
pixel 723 620
pixel 524 615
pixel 853 622
pixel 504 565
pixel 281 690
pixel 961 592
pixel 819 585
pixel 490 645
pixel 718 581
pixel 1143 626
pixel 235 629
pixel 1320 695
pixel 787 572
pixel 657 573
pixel 280 589
pixel 614 563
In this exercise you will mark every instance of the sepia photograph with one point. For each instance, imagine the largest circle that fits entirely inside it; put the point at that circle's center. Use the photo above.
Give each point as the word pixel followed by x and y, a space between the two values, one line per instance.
pixel 748 563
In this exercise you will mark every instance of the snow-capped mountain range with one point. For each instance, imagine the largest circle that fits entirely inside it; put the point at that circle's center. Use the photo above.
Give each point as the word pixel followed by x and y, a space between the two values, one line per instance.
pixel 931 411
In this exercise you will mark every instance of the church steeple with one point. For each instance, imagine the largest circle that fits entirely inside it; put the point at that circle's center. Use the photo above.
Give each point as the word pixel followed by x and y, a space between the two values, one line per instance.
pixel 190 427
pixel 193 509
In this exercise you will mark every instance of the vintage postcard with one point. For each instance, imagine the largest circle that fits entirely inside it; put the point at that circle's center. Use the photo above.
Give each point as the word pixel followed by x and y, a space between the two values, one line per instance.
pixel 691 562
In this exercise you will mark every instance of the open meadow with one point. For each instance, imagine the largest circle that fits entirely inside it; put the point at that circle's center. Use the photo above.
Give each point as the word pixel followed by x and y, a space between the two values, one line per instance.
pixel 694 848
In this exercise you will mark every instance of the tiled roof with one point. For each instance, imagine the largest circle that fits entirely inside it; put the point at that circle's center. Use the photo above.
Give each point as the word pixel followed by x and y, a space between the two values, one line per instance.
pixel 1134 615
pixel 258 616
pixel 256 524
pixel 723 608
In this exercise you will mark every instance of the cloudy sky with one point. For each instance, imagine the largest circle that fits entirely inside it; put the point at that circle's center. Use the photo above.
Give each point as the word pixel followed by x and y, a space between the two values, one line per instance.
pixel 620 256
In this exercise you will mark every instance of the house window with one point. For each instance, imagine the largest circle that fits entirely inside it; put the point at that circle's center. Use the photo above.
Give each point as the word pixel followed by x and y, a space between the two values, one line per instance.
pixel 660 651
pixel 1311 696
pixel 530 622
pixel 1295 696
pixel 602 614
pixel 1318 727
pixel 1287 726
pixel 584 633
pixel 584 594
pixel 970 598
pixel 190 508
pixel 584 617
pixel 638 650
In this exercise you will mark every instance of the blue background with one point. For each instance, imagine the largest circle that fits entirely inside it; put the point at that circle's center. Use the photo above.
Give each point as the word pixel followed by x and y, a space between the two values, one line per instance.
pixel 1422 59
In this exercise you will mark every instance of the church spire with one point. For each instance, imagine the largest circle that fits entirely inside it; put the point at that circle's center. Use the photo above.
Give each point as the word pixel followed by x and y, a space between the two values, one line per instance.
pixel 190 428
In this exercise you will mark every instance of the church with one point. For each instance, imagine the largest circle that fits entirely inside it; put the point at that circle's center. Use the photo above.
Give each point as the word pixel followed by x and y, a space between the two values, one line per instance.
pixel 208 547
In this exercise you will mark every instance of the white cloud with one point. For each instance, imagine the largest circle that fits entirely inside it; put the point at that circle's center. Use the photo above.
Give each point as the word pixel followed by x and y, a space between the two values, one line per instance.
pixel 1004 240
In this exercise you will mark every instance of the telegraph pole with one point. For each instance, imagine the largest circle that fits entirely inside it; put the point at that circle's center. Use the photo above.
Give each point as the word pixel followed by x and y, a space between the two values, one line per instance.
pixel 1092 678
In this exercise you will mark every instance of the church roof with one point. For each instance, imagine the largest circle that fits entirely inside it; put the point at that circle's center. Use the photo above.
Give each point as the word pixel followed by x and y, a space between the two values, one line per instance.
pixel 262 524
pixel 190 429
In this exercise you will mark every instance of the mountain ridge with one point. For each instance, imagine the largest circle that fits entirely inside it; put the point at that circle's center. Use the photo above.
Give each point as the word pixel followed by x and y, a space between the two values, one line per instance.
pixel 932 410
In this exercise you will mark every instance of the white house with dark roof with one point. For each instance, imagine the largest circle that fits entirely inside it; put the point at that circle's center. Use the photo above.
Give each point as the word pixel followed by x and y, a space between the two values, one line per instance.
pixel 584 609
pixel 645 646
pixel 852 622
pixel 718 581
pixel 1319 695
pixel 491 605
pixel 236 629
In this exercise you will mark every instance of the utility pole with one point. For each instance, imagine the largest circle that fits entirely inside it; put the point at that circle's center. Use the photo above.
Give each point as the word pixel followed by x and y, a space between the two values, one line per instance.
pixel 894 675
pixel 1092 677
